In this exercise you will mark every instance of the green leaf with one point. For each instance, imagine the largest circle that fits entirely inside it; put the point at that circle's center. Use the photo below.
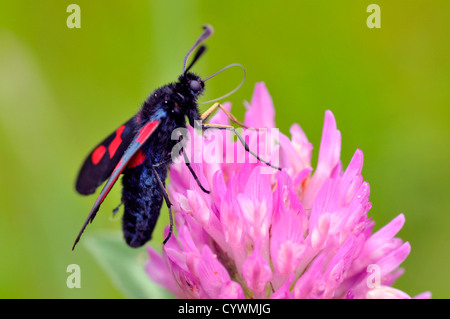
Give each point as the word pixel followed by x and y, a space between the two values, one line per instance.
pixel 124 265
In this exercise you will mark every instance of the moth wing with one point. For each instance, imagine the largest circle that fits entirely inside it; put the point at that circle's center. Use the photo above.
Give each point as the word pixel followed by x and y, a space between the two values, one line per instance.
pixel 139 139
pixel 102 160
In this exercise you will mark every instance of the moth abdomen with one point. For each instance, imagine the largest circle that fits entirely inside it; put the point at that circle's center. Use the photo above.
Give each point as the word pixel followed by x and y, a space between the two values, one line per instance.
pixel 142 198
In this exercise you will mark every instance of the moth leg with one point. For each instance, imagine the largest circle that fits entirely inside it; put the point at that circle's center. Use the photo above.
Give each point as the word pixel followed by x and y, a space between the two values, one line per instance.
pixel 115 210
pixel 208 112
pixel 169 204
pixel 188 164
pixel 232 117
pixel 241 139
pixel 215 106
pixel 163 161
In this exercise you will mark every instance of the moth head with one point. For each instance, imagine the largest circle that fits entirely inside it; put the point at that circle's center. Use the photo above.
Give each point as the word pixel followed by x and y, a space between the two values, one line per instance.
pixel 191 84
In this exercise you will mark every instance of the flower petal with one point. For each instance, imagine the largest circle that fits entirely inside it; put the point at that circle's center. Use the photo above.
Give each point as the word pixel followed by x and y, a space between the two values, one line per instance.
pixel 159 272
pixel 386 292
pixel 211 273
pixel 330 149
pixel 256 272
pixel 260 112
pixel 231 290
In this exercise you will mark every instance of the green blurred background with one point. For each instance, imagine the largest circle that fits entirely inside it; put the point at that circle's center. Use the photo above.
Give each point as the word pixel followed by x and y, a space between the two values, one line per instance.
pixel 62 90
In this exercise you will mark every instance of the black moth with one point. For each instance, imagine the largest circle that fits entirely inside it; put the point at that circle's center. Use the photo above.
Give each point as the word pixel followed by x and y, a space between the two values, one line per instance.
pixel 140 149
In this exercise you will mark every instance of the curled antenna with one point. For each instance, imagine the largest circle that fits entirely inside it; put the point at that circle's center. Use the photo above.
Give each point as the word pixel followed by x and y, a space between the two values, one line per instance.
pixel 231 92
pixel 203 37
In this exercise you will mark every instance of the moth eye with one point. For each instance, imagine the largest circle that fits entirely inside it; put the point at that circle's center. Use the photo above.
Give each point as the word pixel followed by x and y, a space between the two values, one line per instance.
pixel 195 86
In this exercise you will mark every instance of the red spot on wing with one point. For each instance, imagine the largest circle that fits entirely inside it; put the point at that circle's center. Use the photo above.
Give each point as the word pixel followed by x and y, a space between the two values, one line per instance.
pixel 137 159
pixel 97 154
pixel 112 148
pixel 145 131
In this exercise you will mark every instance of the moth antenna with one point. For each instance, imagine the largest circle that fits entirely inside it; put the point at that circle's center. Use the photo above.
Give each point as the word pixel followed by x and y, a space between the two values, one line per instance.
pixel 198 54
pixel 234 90
pixel 203 37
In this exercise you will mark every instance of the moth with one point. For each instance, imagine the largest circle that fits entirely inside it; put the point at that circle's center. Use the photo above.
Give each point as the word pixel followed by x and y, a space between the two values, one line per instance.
pixel 141 151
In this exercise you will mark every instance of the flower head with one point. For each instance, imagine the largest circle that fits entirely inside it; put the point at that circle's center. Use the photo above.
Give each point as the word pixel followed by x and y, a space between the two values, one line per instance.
pixel 293 233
